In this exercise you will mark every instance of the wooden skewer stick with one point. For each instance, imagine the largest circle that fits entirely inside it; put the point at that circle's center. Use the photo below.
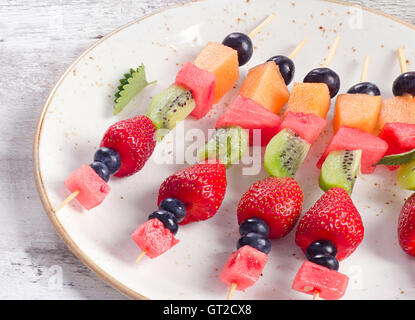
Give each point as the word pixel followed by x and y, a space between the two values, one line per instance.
pixel 72 196
pixel 402 60
pixel 141 256
pixel 262 25
pixel 316 295
pixel 298 49
pixel 332 52
pixel 231 291
pixel 363 77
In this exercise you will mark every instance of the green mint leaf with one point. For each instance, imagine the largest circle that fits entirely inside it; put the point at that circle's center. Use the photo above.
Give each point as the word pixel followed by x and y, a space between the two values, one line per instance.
pixel 131 85
pixel 398 159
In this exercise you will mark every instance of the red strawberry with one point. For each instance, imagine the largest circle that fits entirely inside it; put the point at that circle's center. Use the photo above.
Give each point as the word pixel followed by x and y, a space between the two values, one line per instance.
pixel 201 188
pixel 278 201
pixel 406 226
pixel 134 139
pixel 335 218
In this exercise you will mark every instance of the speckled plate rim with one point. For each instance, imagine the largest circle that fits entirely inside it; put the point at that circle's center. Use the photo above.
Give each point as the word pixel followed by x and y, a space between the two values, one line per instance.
pixel 38 176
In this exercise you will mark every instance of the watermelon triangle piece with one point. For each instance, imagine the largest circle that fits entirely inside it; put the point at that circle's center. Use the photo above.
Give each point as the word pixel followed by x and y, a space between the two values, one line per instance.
pixel 373 148
pixel 399 136
pixel 309 126
pixel 250 115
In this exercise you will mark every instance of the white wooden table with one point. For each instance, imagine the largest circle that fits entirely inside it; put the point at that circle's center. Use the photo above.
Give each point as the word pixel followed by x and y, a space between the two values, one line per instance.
pixel 38 41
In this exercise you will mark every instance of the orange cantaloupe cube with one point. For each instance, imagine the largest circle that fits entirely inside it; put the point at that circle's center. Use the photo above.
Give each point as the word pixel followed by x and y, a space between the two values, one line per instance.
pixel 266 86
pixel 310 98
pixel 359 111
pixel 222 61
pixel 397 109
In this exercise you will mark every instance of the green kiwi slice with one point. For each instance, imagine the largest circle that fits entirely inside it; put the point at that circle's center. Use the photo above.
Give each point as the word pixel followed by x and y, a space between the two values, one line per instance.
pixel 228 145
pixel 406 176
pixel 340 170
pixel 285 153
pixel 169 107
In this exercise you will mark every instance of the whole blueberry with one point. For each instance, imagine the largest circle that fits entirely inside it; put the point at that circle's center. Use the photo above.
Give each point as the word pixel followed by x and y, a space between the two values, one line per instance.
pixel 101 169
pixel 365 88
pixel 174 206
pixel 241 43
pixel 109 157
pixel 256 241
pixel 287 67
pixel 254 225
pixel 404 84
pixel 326 260
pixel 167 218
pixel 321 247
pixel 327 76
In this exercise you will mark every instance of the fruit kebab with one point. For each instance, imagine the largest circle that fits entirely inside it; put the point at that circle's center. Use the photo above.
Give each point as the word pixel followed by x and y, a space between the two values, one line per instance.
pixel 268 210
pixel 128 144
pixel 304 120
pixel 271 207
pixel 397 120
pixel 328 233
pixel 406 224
pixel 196 193
pixel 332 229
pixel 399 132
pixel 406 221
pixel 354 147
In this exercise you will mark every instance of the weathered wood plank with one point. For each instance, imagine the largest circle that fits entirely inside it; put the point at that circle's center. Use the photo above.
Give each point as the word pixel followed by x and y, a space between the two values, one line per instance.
pixel 38 41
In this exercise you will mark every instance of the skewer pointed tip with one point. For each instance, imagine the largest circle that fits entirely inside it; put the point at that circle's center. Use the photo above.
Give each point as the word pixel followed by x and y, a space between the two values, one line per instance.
pixel 140 257
pixel 402 60
pixel 365 70
pixel 72 196
pixel 231 291
pixel 298 49
pixel 333 50
pixel 262 25
pixel 316 295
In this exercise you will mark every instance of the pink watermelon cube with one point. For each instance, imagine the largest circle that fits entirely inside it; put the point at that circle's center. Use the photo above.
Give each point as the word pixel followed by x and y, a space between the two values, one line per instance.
pixel 153 238
pixel 330 284
pixel 244 267
pixel 202 85
pixel 92 188
pixel 373 148
pixel 250 115
pixel 309 126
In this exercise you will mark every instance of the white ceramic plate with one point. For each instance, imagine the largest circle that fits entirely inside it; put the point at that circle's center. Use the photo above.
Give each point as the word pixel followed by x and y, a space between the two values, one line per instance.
pixel 79 110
